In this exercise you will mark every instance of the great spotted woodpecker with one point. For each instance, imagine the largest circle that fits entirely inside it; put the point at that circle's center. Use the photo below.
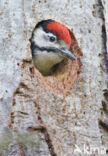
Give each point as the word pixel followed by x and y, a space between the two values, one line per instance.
pixel 50 43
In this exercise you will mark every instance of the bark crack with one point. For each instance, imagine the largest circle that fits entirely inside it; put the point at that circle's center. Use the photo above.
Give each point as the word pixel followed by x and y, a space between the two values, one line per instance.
pixel 43 130
pixel 104 53
pixel 104 122
pixel 21 150
pixel 104 36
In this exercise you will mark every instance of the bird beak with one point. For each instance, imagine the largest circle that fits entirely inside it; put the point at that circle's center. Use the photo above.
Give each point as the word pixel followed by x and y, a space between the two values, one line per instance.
pixel 66 53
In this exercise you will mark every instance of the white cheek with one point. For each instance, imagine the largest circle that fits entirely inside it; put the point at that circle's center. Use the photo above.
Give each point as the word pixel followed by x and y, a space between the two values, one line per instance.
pixel 41 41
pixel 38 37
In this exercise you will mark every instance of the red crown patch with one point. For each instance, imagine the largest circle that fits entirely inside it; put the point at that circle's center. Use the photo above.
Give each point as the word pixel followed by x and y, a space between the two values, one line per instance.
pixel 61 31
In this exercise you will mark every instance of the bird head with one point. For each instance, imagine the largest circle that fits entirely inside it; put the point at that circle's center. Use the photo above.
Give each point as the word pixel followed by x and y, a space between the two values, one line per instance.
pixel 50 44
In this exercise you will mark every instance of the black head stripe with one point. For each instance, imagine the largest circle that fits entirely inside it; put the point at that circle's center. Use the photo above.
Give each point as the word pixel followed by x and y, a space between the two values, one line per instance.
pixel 35 48
pixel 44 24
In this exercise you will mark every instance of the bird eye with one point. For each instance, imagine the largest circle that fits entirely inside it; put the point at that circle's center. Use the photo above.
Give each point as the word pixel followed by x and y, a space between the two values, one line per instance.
pixel 52 39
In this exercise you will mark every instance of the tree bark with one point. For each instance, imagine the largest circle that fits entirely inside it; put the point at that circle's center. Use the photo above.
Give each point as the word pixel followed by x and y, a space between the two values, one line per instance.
pixel 39 115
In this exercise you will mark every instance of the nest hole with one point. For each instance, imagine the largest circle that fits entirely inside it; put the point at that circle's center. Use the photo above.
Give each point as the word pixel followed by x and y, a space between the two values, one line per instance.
pixel 65 74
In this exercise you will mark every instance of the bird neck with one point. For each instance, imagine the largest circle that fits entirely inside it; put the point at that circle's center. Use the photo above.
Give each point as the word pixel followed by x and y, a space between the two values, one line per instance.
pixel 45 60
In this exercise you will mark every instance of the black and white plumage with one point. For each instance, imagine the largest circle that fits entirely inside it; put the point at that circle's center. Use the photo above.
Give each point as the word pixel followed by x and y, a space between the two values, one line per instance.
pixel 50 43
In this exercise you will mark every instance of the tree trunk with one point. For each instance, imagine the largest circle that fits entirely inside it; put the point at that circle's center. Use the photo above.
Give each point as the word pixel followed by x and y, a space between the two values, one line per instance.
pixel 53 115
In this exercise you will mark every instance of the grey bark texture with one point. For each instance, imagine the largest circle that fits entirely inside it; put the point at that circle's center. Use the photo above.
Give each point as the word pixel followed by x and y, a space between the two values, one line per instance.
pixel 35 119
